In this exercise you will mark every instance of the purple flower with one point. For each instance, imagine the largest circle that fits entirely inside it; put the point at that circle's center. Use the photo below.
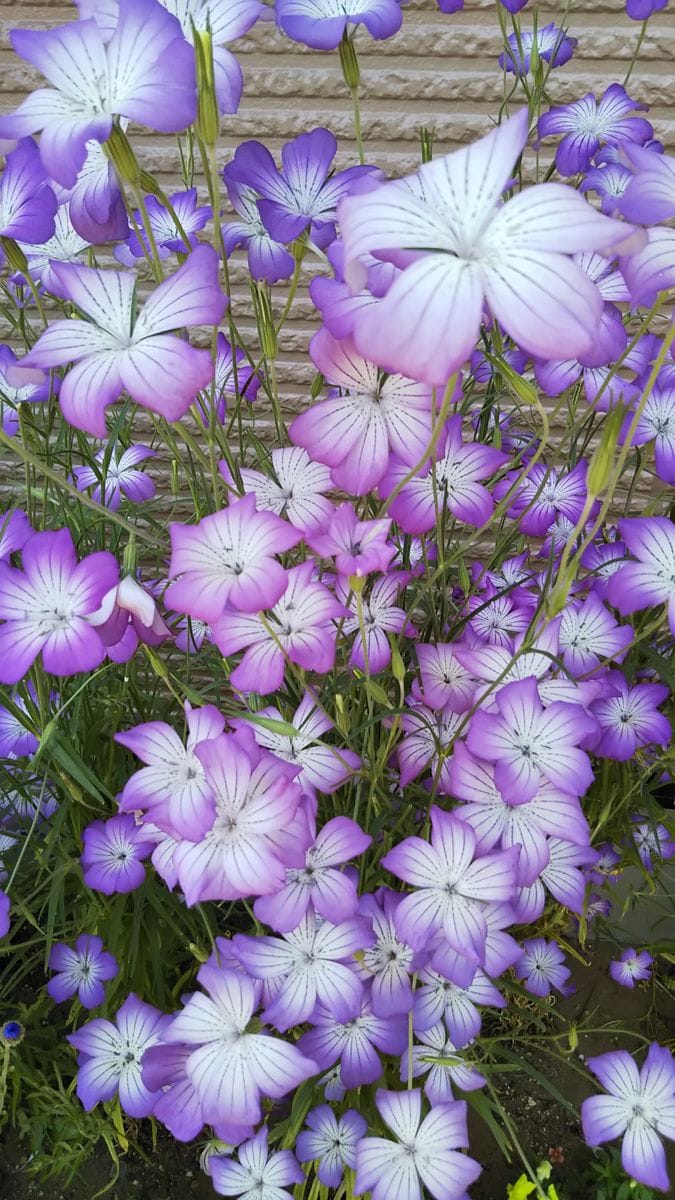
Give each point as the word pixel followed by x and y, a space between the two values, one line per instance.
pixel 321 24
pixel 470 249
pixel 15 530
pixel 651 269
pixel 455 480
pixel 497 619
pixel 589 633
pixel 609 182
pixel 332 1141
pixel 657 424
pixel 640 1104
pixel 554 46
pixel 95 202
pixel 303 193
pixel 45 607
pixel 253 837
pixel 358 1044
pixel 435 1056
pixel 155 87
pixel 381 618
pixel 631 968
pixel 5 907
pixel 561 876
pixel 299 627
pixel 318 885
pixel 172 787
pixel 82 970
pixel 312 963
pixel 588 123
pixel 117 477
pixel 451 885
pixel 109 1057
pixel 543 495
pixel 66 245
pixel 542 967
pixel 367 416
pixel 652 842
pixel 504 821
pixel 258 1175
pixel 228 559
pixel 641 10
pixel 429 734
pixel 128 615
pixel 650 194
pixel 16 740
pixel 112 858
pixel 231 1067
pixel 358 547
pixel 321 766
pixel 529 743
pixel 424 1154
pixel 295 490
pixel 27 203
pixel 390 962
pixel 113 351
pixel 629 718
pixel 651 580
pixel 168 239
pixel 268 258
pixel 440 999
pixel 34 391
pixel 445 682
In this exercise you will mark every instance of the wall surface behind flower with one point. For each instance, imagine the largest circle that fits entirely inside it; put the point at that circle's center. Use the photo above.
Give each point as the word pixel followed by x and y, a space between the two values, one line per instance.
pixel 439 71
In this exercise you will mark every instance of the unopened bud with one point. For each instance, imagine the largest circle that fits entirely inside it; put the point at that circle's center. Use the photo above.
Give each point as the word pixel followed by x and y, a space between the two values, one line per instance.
pixel 150 185
pixel 349 62
pixel 427 143
pixel 14 255
pixel 129 559
pixel 265 320
pixel 602 460
pixel 522 389
pixel 397 663
pixel 464 580
pixel 208 115
pixel 120 152
pixel 156 663
pixel 317 386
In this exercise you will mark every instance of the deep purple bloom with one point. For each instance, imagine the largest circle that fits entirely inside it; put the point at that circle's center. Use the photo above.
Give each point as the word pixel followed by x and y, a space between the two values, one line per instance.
pixel 609 182
pixel 529 743
pixel 227 559
pixel 390 962
pixel 258 1175
pixel 15 739
pixel 112 858
pixel 312 963
pixel 455 480
pixel 357 1044
pixel 15 530
pixel 95 202
pixel 36 390
pixel 562 877
pixel 543 495
pixel 332 1141
pixel 629 718
pixel 631 968
pixel 128 615
pixel 172 786
pixel 641 10
pixel 424 1154
pixel 653 842
pixel 321 24
pixel 27 203
pixel 231 1068
pixel 118 477
pixel 657 425
pixel 367 416
pixel 554 46
pixel 439 998
pixel 496 618
pixel 588 123
pixel 451 885
pixel 640 1105
pixel 304 193
pixel 469 249
pixel 82 970
pixel 268 258
pixel 589 633
pixel 110 1054
pixel 5 908
pixel 295 490
pixel 542 967
pixel 301 625
pixel 155 87
pixel 45 607
pixel 358 547
pixel 112 351
pixel 168 238
pixel 651 580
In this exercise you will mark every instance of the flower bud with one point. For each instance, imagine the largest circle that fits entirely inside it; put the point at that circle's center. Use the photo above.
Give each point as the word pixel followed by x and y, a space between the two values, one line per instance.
pixel 427 143
pixel 265 320
pixel 522 389
pixel 14 255
pixel 602 460
pixel 397 663
pixel 208 115
pixel 349 62
pixel 120 152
